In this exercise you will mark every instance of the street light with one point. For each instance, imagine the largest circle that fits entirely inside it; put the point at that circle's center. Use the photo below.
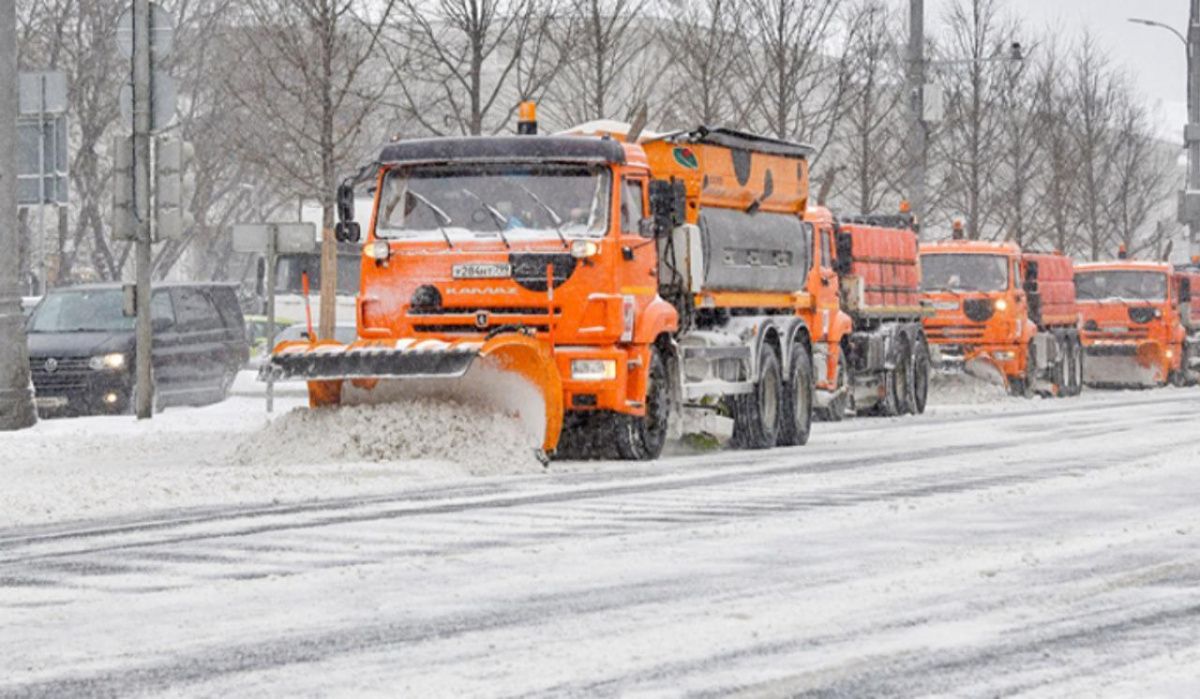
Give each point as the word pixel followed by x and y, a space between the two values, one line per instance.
pixel 1189 198
pixel 1152 23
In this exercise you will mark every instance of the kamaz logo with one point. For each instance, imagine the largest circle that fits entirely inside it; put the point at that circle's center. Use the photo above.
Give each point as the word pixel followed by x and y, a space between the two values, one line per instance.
pixel 485 291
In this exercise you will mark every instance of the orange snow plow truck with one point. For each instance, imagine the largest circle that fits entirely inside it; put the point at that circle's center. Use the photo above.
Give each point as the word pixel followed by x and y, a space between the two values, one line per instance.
pixel 1138 324
pixel 588 285
pixel 1004 315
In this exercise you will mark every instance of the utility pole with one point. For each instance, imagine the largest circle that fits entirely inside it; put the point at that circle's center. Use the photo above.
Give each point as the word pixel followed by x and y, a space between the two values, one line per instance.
pixel 142 91
pixel 16 398
pixel 916 125
pixel 1192 130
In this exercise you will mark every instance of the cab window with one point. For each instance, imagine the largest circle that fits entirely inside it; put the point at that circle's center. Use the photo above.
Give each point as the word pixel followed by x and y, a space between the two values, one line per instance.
pixel 632 196
pixel 826 249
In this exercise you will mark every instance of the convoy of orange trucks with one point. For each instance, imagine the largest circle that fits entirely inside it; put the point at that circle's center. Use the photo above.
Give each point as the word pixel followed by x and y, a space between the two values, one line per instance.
pixel 595 284
pixel 1004 312
pixel 598 284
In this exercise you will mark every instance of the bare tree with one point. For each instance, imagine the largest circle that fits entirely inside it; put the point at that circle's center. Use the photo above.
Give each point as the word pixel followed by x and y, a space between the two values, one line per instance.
pixel 1096 96
pixel 306 85
pixel 1142 180
pixel 802 81
pixel 968 143
pixel 708 48
pixel 1019 162
pixel 608 74
pixel 1055 190
pixel 872 133
pixel 462 66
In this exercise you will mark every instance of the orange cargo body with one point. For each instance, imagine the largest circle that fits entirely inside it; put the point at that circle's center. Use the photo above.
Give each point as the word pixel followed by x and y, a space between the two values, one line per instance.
pixel 1056 287
pixel 885 260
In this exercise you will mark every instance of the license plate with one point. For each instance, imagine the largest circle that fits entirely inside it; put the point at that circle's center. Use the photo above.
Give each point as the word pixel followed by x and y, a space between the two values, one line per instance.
pixel 50 402
pixel 482 271
pixel 945 305
pixel 1116 329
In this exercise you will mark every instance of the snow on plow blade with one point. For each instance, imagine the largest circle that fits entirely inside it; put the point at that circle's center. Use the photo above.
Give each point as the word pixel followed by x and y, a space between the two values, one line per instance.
pixel 984 369
pixel 512 373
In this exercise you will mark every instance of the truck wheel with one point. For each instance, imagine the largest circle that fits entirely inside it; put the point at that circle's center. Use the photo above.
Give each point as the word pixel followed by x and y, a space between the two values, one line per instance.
pixel 1077 366
pixel 796 407
pixel 641 438
pixel 1023 387
pixel 898 383
pixel 922 366
pixel 836 410
pixel 756 414
pixel 1060 375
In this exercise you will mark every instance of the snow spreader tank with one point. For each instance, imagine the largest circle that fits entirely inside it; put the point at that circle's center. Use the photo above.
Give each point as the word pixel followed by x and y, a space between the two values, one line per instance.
pixel 577 281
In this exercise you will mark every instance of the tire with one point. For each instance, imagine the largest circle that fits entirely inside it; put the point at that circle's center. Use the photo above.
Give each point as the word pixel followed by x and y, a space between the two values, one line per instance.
pixel 641 438
pixel 1061 373
pixel 1080 357
pixel 897 383
pixel 922 367
pixel 836 410
pixel 796 402
pixel 756 415
pixel 1023 387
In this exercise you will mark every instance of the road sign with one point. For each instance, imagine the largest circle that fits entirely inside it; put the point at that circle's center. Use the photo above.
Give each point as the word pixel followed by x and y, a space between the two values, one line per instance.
pixel 42 155
pixel 162 33
pixel 164 99
pixel 290 238
pixel 42 93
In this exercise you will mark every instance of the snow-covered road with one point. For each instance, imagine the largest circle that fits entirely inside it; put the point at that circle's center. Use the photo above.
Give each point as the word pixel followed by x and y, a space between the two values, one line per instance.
pixel 1046 547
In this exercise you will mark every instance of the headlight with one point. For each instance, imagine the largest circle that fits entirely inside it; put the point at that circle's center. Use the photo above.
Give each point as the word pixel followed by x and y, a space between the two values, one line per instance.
pixel 1001 305
pixel 377 250
pixel 107 362
pixel 593 369
pixel 1004 355
pixel 583 249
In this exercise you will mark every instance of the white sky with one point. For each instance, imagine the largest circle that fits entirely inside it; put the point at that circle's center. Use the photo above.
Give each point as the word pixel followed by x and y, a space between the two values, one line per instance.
pixel 1154 57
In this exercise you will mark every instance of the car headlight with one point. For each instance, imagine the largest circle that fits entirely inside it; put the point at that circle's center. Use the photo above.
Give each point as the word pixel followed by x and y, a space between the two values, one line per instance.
pixel 1001 305
pixel 107 362
pixel 593 369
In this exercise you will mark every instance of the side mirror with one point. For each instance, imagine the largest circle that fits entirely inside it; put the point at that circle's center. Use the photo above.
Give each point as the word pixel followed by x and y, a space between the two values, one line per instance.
pixel 347 232
pixel 345 201
pixel 668 204
pixel 845 253
pixel 1185 290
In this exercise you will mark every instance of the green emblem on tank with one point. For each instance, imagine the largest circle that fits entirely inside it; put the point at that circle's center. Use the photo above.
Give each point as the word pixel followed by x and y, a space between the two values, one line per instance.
pixel 687 158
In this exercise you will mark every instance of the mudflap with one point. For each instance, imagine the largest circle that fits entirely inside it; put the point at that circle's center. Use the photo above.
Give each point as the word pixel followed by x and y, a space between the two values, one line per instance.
pixel 511 373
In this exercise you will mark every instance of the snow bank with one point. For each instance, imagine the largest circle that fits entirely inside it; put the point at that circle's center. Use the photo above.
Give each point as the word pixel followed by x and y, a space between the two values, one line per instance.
pixel 484 442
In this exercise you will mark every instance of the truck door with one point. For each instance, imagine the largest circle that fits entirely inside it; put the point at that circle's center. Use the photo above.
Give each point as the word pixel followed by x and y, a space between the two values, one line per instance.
pixel 638 262
pixel 826 290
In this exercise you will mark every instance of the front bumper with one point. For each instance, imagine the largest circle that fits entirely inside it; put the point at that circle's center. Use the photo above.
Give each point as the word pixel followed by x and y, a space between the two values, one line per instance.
pixel 97 395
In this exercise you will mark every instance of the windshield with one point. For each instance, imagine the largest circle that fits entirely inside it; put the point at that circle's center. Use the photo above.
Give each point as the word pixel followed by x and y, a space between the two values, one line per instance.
pixel 94 310
pixel 511 201
pixel 960 272
pixel 1126 285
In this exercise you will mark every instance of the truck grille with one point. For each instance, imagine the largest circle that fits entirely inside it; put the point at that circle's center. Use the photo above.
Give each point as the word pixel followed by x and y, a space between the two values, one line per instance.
pixel 954 333
pixel 478 320
pixel 69 373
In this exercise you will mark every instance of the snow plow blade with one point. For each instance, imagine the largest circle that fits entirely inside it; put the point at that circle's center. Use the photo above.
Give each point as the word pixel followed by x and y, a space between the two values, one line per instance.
pixel 512 373
pixel 984 369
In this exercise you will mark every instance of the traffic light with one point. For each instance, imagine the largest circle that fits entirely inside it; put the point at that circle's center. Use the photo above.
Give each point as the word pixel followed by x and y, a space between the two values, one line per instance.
pixel 124 206
pixel 172 188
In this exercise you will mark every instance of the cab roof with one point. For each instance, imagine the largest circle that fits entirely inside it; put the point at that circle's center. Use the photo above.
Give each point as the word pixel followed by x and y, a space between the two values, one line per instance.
pixel 483 149
pixel 1133 265
pixel 979 247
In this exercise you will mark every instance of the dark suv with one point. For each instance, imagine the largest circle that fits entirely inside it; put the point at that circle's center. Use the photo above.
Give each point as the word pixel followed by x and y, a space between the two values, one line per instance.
pixel 81 347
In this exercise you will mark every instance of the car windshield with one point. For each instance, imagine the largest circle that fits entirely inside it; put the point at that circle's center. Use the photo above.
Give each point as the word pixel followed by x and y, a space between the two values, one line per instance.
pixel 964 272
pixel 92 310
pixel 1128 285
pixel 514 201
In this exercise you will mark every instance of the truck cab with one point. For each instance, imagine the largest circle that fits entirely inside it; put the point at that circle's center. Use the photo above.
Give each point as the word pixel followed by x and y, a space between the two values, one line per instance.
pixel 1133 329
pixel 981 308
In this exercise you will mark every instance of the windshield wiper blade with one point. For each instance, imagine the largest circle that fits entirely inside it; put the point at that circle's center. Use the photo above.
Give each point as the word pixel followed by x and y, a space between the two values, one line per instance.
pixel 442 217
pixel 498 218
pixel 556 220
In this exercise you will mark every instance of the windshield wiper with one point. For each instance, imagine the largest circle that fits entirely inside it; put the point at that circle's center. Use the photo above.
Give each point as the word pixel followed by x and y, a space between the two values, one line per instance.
pixel 498 218
pixel 555 220
pixel 442 217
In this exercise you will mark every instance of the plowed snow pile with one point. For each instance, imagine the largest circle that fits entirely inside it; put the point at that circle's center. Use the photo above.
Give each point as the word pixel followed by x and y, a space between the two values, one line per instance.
pixel 963 389
pixel 483 442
